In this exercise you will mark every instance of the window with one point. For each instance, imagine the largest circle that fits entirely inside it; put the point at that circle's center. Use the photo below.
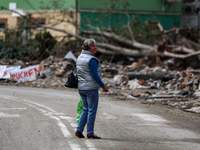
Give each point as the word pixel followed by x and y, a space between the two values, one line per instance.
pixel 71 14
pixel 38 21
pixel 3 23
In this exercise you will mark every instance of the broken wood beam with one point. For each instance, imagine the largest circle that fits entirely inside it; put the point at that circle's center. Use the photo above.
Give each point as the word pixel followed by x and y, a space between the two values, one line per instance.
pixel 151 76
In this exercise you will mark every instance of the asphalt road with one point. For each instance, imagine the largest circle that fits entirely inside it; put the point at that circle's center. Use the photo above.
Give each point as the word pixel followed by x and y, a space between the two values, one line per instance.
pixel 45 119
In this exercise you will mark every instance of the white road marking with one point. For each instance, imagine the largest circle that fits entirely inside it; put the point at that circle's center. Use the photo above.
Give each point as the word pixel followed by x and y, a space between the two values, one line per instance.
pixel 62 126
pixel 73 145
pixel 3 115
pixel 69 119
pixel 90 144
pixel 13 108
pixel 109 116
pixel 150 124
pixel 52 114
pixel 40 105
pixel 150 117
pixel 74 125
pixel 58 116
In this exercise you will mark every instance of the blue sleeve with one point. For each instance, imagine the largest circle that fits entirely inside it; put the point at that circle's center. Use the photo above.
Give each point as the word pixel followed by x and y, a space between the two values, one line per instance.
pixel 93 69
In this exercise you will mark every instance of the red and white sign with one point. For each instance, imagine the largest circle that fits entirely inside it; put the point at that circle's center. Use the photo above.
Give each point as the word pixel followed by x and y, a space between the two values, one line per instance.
pixel 26 74
pixel 6 74
pixel 2 70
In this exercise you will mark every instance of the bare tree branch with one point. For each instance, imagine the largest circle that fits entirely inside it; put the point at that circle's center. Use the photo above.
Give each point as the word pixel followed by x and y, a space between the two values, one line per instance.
pixel 122 40
pixel 178 48
pixel 129 28
pixel 181 56
pixel 119 50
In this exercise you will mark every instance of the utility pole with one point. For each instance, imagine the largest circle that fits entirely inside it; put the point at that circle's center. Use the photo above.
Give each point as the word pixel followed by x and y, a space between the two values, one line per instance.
pixel 76 16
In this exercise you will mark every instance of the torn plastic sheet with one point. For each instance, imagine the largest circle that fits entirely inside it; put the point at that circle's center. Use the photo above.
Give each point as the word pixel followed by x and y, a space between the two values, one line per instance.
pixel 2 70
pixel 8 70
pixel 70 55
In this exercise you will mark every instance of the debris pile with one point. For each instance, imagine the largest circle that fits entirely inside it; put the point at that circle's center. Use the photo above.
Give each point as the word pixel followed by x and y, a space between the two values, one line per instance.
pixel 150 85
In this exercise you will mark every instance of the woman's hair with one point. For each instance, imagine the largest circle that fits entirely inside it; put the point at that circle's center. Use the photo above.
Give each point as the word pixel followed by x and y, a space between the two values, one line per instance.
pixel 87 43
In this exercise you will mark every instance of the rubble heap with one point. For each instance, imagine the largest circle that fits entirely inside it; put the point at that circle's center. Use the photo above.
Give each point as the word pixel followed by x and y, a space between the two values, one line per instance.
pixel 150 85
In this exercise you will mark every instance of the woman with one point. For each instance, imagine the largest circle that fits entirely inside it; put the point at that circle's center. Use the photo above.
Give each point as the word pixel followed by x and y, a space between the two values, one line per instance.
pixel 89 71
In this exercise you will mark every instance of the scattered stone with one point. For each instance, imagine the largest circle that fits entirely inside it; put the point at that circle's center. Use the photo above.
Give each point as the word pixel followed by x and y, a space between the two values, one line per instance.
pixel 194 109
pixel 19 63
pixel 45 73
pixel 134 82
pixel 118 79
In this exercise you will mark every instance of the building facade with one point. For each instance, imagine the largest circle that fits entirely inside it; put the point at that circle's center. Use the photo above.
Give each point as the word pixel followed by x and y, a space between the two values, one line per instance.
pixel 116 13
pixel 103 14
pixel 59 14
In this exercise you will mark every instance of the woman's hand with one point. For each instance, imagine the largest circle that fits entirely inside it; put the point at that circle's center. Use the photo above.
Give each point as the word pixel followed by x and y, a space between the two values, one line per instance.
pixel 106 88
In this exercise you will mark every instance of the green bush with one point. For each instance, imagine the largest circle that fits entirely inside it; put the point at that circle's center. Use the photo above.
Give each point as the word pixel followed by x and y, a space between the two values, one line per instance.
pixel 12 53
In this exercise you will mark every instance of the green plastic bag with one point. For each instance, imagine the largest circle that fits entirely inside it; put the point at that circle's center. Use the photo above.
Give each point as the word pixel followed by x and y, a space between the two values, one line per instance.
pixel 79 110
